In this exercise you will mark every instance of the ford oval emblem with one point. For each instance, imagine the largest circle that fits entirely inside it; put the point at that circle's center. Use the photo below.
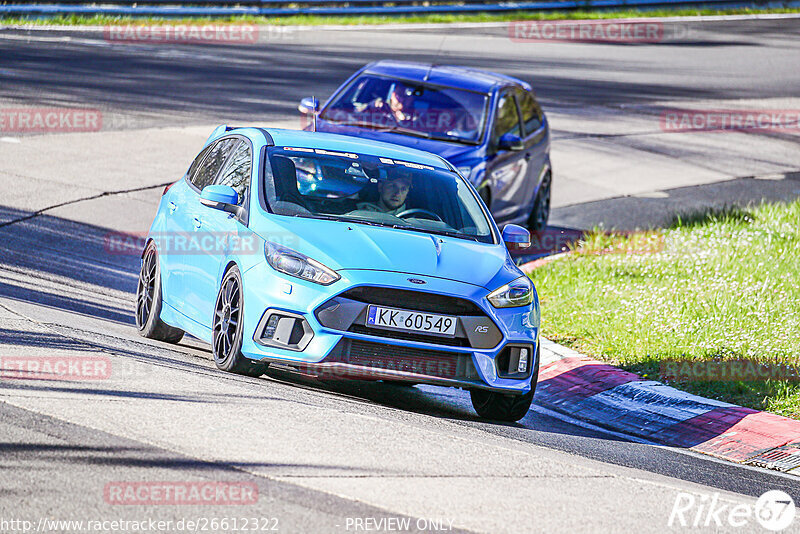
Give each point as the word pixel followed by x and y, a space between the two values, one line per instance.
pixel 417 281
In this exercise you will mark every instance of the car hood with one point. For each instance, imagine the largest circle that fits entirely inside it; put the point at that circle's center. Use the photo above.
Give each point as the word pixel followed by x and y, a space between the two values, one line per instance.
pixel 349 246
pixel 449 151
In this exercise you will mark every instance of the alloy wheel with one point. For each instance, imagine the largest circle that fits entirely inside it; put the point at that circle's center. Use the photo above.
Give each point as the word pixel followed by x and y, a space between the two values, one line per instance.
pixel 226 318
pixel 146 289
pixel 542 209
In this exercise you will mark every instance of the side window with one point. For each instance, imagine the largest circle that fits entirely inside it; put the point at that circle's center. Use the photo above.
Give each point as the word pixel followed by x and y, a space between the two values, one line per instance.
pixel 238 169
pixel 213 163
pixel 531 112
pixel 196 163
pixel 507 118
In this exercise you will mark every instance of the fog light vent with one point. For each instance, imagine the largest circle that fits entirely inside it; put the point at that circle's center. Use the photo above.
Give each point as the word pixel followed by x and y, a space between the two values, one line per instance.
pixel 283 330
pixel 514 362
pixel 272 325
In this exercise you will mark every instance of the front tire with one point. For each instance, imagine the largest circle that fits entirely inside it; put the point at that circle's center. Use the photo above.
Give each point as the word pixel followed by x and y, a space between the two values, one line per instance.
pixel 502 407
pixel 148 300
pixel 227 330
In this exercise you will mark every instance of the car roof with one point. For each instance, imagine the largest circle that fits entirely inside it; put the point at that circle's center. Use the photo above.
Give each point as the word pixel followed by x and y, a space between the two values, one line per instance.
pixel 469 78
pixel 346 143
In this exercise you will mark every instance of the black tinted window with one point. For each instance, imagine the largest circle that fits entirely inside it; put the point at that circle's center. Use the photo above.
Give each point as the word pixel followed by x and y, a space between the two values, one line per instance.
pixel 373 190
pixel 237 170
pixel 531 112
pixel 438 112
pixel 196 163
pixel 208 170
pixel 507 118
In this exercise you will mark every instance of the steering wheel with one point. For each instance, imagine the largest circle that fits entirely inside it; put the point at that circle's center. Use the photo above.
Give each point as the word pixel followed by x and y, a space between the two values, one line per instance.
pixel 412 211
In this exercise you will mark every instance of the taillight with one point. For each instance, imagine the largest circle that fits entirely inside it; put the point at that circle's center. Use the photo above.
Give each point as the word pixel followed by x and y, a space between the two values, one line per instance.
pixel 167 188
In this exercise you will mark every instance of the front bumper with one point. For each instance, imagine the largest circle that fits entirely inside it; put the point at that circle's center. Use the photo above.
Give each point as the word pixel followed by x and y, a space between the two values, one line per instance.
pixel 328 337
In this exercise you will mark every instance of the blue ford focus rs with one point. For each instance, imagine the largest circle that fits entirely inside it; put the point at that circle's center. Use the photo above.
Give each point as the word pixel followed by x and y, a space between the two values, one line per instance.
pixel 344 257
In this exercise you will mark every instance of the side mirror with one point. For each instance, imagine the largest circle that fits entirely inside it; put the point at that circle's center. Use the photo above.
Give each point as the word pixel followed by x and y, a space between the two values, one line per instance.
pixel 510 141
pixel 308 106
pixel 215 195
pixel 224 198
pixel 516 237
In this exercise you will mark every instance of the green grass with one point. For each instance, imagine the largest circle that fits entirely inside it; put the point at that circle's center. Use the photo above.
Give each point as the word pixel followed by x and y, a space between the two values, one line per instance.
pixel 714 286
pixel 313 20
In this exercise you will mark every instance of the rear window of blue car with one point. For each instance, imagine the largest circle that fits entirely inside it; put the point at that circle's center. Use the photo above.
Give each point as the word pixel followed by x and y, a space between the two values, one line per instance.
pixel 373 190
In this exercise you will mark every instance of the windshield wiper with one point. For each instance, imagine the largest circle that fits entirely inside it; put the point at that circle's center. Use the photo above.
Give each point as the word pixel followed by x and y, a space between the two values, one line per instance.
pixel 342 219
pixel 407 131
pixel 452 139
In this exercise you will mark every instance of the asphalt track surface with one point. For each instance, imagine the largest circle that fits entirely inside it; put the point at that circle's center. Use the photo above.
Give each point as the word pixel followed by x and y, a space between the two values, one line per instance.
pixel 324 455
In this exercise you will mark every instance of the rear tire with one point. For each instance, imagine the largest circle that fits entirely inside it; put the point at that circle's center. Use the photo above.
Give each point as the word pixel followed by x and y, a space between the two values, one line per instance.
pixel 148 300
pixel 537 220
pixel 227 329
pixel 503 407
pixel 486 196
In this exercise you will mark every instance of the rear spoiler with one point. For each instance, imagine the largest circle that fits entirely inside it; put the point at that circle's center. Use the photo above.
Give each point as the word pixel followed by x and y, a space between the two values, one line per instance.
pixel 222 129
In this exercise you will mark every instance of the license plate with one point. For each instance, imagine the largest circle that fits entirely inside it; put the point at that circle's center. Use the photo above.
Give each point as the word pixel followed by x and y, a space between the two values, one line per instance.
pixel 411 321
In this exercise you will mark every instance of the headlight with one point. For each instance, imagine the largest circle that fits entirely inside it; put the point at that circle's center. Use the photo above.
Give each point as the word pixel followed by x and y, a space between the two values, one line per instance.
pixel 465 171
pixel 517 293
pixel 293 263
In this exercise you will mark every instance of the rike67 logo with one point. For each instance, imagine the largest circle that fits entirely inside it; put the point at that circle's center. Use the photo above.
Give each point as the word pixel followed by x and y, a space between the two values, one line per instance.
pixel 773 511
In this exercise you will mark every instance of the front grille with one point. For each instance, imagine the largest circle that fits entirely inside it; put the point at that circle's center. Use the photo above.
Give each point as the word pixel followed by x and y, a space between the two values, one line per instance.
pixel 408 336
pixel 368 356
pixel 393 357
pixel 413 300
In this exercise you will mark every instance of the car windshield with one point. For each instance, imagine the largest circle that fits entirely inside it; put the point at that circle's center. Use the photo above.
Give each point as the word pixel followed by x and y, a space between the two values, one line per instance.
pixel 410 108
pixel 372 190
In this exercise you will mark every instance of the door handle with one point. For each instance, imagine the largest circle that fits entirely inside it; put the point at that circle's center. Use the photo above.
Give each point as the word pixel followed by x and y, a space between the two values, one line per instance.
pixel 172 207
pixel 197 223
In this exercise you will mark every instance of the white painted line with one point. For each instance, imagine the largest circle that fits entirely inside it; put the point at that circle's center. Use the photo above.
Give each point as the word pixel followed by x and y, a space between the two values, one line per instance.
pixel 632 390
pixel 589 426
pixel 10 140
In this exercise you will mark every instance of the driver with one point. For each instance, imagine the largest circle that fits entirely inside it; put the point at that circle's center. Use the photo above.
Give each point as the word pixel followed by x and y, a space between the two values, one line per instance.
pixel 392 194
pixel 400 104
